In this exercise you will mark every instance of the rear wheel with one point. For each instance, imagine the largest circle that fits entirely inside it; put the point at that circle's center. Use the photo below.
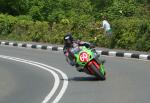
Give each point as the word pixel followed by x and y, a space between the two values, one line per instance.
pixel 98 74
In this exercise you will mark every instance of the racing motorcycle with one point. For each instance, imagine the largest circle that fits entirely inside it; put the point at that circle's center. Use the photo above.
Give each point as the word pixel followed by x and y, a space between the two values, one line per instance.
pixel 85 58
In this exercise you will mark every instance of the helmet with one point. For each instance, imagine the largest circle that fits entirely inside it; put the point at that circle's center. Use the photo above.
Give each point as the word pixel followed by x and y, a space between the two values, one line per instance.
pixel 68 39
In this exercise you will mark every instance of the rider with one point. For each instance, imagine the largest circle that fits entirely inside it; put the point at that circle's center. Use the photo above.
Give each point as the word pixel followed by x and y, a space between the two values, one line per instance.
pixel 71 46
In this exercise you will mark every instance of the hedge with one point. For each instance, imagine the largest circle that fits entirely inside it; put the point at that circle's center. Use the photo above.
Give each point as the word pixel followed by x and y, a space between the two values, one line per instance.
pixel 132 33
pixel 128 33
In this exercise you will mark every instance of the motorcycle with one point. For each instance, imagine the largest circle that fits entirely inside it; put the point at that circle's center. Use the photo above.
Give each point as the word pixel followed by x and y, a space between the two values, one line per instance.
pixel 85 58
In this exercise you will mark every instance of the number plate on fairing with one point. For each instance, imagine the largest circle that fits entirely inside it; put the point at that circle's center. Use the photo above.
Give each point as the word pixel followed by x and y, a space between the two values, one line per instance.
pixel 84 57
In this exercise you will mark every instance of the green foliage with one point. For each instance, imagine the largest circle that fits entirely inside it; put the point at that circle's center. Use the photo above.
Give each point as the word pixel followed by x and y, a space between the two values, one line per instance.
pixel 143 36
pixel 132 33
pixel 35 13
pixel 120 8
pixel 55 11
pixel 143 1
pixel 101 4
pixel 6 23
pixel 23 28
pixel 14 7
pixel 50 20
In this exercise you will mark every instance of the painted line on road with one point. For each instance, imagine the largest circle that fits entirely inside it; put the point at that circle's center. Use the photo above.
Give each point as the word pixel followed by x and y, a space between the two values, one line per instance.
pixel 51 70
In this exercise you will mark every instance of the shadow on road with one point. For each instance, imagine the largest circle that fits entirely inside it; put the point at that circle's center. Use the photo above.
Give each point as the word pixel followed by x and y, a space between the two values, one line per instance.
pixel 84 79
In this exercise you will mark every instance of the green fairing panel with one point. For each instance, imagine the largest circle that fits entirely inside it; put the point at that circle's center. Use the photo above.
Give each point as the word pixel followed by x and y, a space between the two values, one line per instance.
pixel 88 51
pixel 102 70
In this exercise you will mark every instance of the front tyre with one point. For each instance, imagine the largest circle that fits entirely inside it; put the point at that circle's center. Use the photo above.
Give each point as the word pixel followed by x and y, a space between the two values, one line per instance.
pixel 97 73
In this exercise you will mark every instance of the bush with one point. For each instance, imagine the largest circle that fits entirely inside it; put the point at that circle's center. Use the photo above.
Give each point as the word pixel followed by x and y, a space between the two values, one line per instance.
pixel 128 33
pixel 6 24
pixel 143 37
pixel 132 33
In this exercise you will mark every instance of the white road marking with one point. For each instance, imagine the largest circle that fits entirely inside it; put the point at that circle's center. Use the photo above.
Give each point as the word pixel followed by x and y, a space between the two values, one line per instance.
pixel 49 69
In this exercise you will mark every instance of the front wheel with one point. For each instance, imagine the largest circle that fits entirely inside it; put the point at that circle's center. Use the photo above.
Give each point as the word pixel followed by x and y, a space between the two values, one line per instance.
pixel 97 73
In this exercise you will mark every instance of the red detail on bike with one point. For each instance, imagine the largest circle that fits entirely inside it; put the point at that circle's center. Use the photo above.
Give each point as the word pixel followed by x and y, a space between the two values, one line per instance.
pixel 84 57
pixel 96 64
pixel 89 67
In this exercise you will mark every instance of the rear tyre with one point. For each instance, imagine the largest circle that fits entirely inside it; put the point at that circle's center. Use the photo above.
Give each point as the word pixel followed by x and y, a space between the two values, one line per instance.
pixel 98 74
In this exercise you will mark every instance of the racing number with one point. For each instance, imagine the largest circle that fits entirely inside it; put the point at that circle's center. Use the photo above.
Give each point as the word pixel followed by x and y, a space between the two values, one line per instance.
pixel 84 57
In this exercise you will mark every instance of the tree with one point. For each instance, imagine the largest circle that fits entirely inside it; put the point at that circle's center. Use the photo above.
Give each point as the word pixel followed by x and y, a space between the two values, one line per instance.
pixel 14 7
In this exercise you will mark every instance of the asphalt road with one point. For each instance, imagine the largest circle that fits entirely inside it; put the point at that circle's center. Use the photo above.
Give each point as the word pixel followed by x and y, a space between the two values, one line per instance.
pixel 20 82
pixel 127 81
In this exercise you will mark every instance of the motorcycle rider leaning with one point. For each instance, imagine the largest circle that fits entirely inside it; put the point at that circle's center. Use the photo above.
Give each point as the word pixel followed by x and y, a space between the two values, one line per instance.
pixel 71 47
